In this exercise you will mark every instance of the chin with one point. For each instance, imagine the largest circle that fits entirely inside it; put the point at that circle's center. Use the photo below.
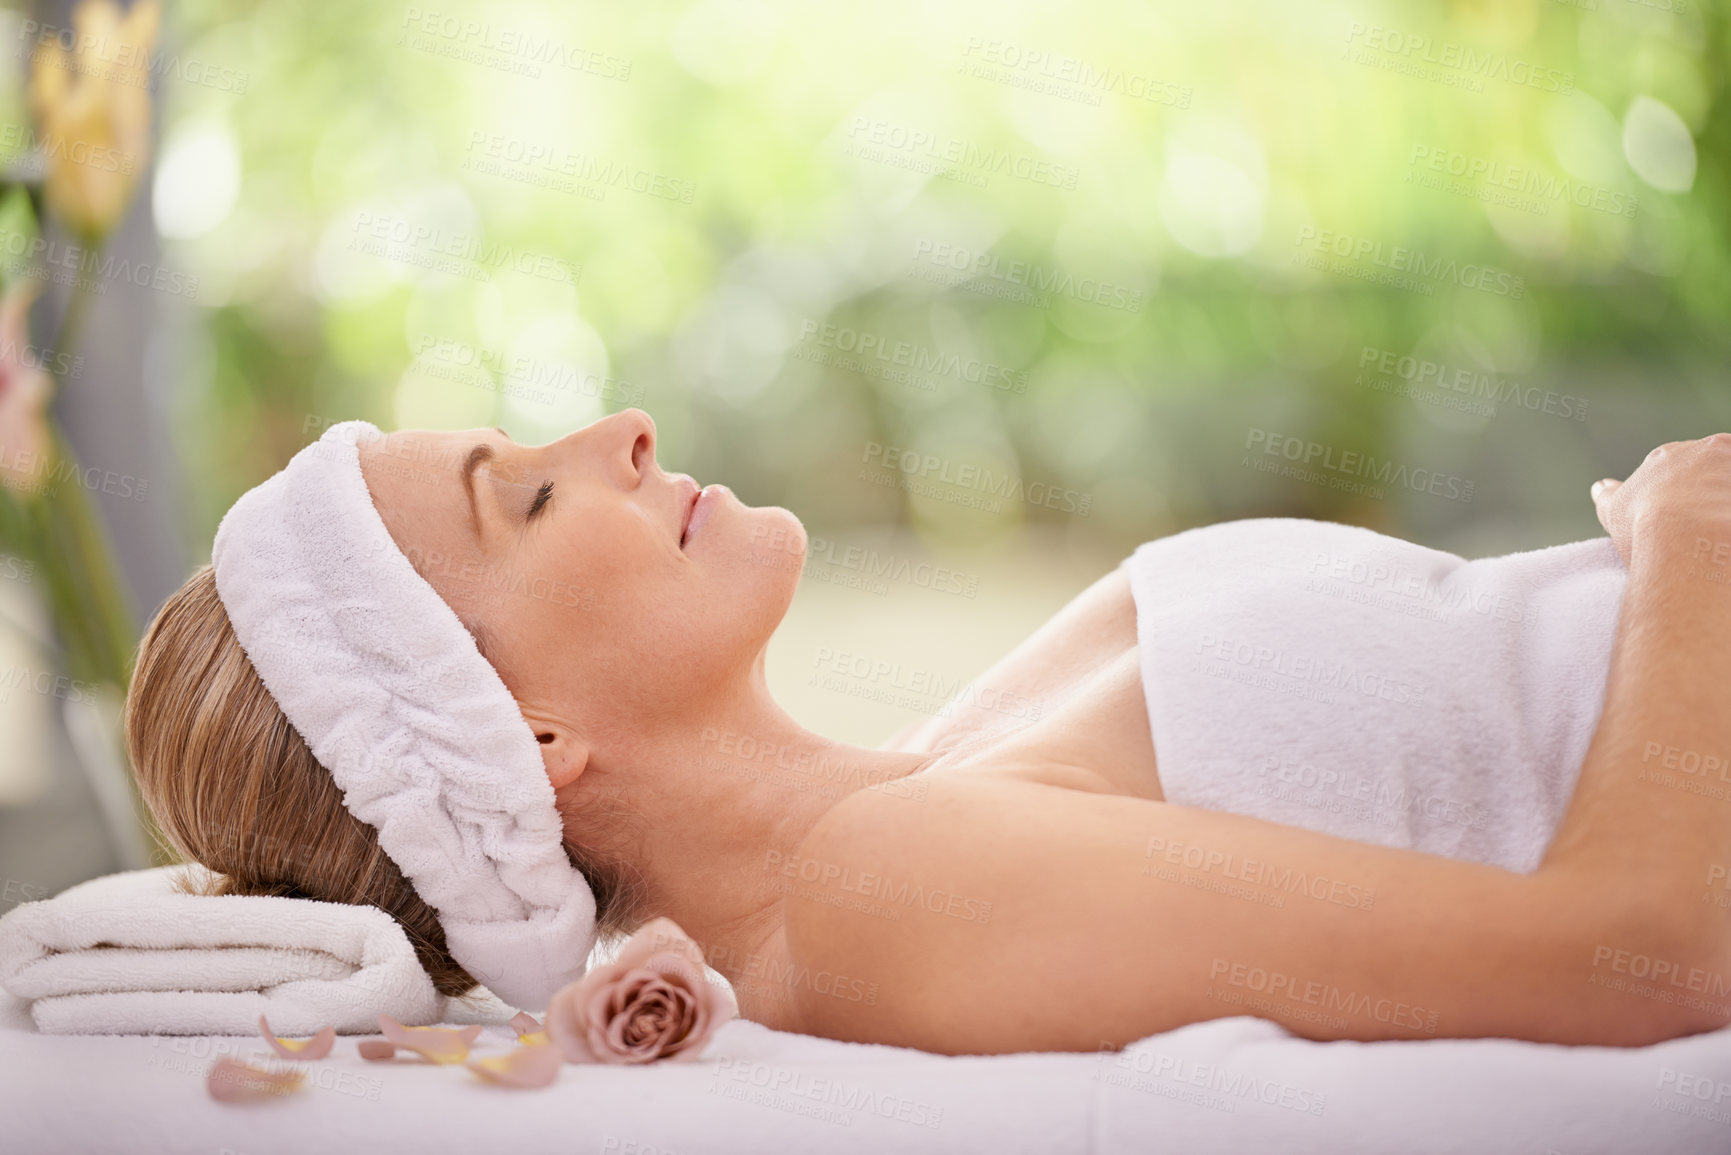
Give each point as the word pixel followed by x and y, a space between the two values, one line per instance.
pixel 764 546
pixel 754 555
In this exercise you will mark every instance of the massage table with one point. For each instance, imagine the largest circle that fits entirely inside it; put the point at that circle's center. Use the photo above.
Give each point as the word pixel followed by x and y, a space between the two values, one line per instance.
pixel 1230 1085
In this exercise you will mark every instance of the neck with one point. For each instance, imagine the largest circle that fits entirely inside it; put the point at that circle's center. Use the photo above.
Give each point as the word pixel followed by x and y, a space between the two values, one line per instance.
pixel 737 792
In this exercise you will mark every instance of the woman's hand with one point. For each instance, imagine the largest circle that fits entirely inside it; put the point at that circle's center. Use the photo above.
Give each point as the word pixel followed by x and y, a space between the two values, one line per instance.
pixel 1682 487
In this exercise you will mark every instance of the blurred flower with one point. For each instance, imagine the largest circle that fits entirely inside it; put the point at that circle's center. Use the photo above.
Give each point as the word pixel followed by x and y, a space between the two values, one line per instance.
pixel 316 1047
pixel 24 392
pixel 92 112
pixel 531 1065
pixel 528 1030
pixel 230 1080
pixel 651 1002
pixel 437 1044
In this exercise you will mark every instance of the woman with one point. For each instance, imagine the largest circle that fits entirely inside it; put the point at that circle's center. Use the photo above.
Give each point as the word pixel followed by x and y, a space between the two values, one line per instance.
pixel 1060 902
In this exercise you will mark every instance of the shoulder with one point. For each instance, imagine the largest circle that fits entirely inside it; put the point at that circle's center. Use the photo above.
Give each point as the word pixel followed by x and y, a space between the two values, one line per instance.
pixel 854 894
pixel 921 909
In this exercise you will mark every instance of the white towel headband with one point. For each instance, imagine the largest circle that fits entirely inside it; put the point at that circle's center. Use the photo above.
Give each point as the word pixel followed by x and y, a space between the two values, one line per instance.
pixel 393 697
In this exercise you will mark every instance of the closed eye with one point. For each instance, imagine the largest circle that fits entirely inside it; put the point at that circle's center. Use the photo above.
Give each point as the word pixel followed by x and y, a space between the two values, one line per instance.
pixel 542 497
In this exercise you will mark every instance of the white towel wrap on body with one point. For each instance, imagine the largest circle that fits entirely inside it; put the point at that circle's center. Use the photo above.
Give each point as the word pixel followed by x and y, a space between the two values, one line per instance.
pixel 1331 677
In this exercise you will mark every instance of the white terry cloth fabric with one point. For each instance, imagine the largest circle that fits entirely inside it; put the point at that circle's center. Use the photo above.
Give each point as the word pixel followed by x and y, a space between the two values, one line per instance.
pixel 388 689
pixel 129 954
pixel 1246 1085
pixel 1216 1088
pixel 1331 677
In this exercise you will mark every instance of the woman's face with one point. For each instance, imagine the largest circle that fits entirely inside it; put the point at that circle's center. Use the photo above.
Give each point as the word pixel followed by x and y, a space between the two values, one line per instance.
pixel 609 594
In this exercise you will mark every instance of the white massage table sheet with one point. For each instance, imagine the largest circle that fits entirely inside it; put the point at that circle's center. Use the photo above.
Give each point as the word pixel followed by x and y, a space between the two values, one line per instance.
pixel 1230 1085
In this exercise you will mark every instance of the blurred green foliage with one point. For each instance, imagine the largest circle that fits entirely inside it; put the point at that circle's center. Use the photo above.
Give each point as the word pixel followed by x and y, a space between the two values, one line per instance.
pixel 532 213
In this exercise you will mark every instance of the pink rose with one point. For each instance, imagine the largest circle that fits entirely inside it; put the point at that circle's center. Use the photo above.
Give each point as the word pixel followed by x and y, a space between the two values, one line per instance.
pixel 652 1002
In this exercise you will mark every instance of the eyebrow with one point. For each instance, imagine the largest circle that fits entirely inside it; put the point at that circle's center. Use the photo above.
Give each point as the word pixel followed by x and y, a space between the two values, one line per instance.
pixel 481 452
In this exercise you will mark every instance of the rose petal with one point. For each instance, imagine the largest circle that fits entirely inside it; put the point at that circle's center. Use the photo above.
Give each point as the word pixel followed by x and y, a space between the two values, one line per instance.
pixel 376 1049
pixel 535 1065
pixel 563 1025
pixel 438 1044
pixel 316 1047
pixel 658 936
pixel 232 1081
pixel 524 1024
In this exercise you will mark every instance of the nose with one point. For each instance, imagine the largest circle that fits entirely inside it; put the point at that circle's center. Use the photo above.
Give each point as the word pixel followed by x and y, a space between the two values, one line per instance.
pixel 626 440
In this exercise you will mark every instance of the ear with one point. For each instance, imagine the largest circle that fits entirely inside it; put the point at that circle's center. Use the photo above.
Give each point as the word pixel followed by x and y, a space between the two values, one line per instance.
pixel 563 753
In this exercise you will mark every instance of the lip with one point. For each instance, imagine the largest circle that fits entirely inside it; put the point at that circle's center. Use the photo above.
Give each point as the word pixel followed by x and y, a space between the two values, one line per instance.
pixel 700 511
pixel 690 491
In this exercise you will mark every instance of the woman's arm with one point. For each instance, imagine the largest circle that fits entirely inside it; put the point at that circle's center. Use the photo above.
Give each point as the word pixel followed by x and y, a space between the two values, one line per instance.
pixel 1654 796
pixel 997 916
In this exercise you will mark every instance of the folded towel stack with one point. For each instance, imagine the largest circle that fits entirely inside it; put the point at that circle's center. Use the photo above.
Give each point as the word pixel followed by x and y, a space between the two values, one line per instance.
pixel 130 953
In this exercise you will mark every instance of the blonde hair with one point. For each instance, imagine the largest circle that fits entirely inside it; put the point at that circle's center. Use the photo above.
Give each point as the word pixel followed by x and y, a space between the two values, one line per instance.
pixel 232 785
